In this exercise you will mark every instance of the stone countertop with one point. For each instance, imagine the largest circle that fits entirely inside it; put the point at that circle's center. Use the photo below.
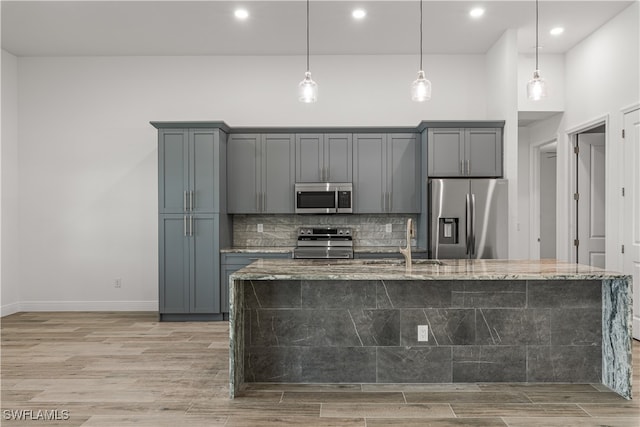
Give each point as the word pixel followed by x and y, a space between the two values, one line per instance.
pixel 289 249
pixel 258 250
pixel 387 269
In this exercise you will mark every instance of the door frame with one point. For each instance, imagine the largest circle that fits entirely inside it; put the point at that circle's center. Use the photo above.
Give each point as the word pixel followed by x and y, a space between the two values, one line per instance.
pixel 626 240
pixel 534 190
pixel 566 196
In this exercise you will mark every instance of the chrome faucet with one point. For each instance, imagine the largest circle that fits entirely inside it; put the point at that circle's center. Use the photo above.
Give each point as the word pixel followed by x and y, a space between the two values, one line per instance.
pixel 407 251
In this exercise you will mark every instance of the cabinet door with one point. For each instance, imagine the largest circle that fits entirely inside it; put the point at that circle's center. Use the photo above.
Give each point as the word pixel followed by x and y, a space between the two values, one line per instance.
pixel 204 264
pixel 403 173
pixel 243 173
pixel 369 173
pixel 483 152
pixel 445 152
pixel 173 170
pixel 173 264
pixel 278 173
pixel 204 180
pixel 338 157
pixel 309 158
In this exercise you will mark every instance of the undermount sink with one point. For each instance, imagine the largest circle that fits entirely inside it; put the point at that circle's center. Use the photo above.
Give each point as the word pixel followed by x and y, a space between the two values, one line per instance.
pixel 394 261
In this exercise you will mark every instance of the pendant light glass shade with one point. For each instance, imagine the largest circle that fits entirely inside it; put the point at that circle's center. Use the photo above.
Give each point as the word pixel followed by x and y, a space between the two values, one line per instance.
pixel 537 87
pixel 307 89
pixel 421 88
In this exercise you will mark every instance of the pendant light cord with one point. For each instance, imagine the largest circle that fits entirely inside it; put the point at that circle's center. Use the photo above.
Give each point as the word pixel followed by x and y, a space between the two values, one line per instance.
pixel 307 35
pixel 421 35
pixel 537 47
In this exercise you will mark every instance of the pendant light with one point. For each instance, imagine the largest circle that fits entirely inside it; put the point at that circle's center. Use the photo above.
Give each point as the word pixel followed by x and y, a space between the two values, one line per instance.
pixel 421 87
pixel 307 89
pixel 537 87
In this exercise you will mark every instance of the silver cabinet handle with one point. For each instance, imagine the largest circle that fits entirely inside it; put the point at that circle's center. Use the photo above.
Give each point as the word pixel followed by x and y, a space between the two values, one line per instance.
pixel 184 221
pixel 191 196
pixel 184 204
pixel 190 225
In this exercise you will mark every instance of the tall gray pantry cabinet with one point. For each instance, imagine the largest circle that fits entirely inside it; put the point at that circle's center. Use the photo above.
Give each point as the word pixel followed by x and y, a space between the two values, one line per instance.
pixel 193 224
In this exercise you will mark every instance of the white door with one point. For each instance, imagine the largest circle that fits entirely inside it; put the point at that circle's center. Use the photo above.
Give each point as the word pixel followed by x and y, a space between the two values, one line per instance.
pixel 591 191
pixel 631 233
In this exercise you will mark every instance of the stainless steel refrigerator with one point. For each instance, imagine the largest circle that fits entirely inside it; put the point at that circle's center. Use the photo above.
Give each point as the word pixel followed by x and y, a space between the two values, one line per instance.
pixel 468 218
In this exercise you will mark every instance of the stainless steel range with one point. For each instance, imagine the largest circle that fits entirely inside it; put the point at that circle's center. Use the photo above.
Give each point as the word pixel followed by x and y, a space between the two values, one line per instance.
pixel 324 243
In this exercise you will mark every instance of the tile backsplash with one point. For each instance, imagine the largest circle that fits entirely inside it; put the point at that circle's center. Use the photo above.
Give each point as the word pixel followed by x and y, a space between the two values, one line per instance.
pixel 281 230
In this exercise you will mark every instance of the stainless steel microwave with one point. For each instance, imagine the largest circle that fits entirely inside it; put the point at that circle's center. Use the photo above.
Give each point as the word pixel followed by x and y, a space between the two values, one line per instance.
pixel 324 198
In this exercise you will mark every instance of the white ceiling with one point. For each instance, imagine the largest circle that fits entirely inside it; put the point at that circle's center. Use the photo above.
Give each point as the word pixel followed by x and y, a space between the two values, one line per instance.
pixel 69 28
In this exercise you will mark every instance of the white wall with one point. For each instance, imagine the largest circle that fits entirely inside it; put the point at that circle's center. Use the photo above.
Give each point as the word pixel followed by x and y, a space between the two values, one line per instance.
pixel 87 160
pixel 502 77
pixel 9 276
pixel 602 78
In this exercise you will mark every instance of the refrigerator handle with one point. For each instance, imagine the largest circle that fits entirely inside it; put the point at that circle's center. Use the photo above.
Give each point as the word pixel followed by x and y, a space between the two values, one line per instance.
pixel 467 230
pixel 473 225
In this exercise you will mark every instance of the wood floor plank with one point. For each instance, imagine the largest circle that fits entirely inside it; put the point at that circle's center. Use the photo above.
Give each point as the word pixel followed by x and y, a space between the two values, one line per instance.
pixel 386 410
pixel 351 397
pixel 467 397
pixel 445 422
pixel 572 422
pixel 471 410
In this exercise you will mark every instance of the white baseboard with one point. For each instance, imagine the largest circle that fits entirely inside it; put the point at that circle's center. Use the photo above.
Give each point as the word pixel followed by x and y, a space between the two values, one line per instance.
pixel 636 327
pixel 8 309
pixel 80 306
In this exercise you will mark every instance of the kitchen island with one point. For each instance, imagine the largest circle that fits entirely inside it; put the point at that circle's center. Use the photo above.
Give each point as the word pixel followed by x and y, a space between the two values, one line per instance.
pixel 356 321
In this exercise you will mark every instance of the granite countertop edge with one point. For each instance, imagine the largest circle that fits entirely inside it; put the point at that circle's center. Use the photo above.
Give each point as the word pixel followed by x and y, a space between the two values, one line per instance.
pixel 449 270
pixel 289 249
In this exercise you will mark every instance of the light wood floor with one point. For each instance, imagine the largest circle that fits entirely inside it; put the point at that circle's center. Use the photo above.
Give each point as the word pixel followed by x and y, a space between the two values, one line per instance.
pixel 127 369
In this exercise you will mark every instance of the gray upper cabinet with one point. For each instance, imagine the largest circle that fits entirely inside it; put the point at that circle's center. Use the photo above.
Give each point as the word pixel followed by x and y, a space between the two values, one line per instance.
pixel 189 170
pixel 458 152
pixel 386 170
pixel 260 173
pixel 324 157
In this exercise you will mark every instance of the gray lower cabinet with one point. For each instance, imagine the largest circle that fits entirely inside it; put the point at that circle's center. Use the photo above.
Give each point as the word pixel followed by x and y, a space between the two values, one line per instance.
pixel 232 262
pixel 260 173
pixel 386 173
pixel 324 157
pixel 465 152
pixel 189 267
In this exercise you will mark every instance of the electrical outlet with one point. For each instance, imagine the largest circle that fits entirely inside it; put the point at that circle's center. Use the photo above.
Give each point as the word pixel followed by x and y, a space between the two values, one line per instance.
pixel 423 333
pixel 117 283
pixel 260 228
pixel 389 228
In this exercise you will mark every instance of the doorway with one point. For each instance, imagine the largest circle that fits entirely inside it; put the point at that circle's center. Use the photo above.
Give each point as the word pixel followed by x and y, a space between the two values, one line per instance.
pixel 548 166
pixel 589 196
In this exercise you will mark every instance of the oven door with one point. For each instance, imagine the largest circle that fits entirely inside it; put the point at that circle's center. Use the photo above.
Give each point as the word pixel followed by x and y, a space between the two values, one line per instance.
pixel 316 202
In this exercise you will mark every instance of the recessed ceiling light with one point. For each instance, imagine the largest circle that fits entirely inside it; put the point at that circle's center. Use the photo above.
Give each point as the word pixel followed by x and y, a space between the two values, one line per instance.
pixel 557 31
pixel 476 12
pixel 241 13
pixel 359 13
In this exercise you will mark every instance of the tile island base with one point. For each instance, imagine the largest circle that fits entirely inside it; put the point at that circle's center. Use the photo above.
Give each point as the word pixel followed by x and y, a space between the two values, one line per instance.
pixel 298 321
